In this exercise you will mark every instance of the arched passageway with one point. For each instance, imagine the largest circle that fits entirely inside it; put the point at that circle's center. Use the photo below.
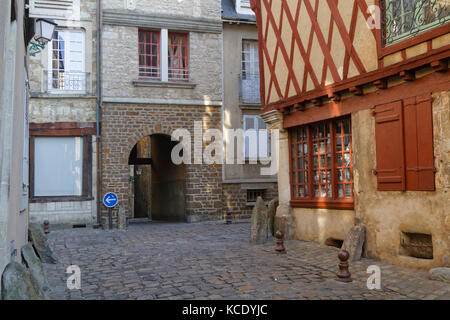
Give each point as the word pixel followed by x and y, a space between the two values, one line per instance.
pixel 157 186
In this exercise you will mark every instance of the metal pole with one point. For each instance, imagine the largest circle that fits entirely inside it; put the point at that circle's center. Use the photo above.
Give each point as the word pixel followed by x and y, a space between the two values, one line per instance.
pixel 110 219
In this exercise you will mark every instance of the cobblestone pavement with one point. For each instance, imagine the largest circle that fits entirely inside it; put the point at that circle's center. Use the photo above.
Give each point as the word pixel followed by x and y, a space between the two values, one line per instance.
pixel 215 261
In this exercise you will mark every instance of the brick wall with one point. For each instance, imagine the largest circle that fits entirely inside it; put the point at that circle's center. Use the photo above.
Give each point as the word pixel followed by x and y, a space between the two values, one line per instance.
pixel 124 125
pixel 235 198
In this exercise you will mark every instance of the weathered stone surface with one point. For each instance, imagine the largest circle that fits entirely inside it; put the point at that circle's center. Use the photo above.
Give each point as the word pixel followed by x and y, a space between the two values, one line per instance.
pixel 37 237
pixel 18 284
pixel 258 230
pixel 354 242
pixel 285 222
pixel 440 274
pixel 35 268
pixel 272 211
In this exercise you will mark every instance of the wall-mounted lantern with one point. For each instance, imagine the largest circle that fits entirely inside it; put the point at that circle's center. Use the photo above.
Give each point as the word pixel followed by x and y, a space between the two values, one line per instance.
pixel 44 29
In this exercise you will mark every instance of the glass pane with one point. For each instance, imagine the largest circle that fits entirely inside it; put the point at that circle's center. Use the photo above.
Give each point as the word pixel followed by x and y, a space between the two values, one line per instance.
pixel 340 191
pixel 340 175
pixel 58 166
pixel 347 159
pixel 339 159
pixel 348 177
pixel 316 191
pixel 338 144
pixel 348 190
pixel 346 127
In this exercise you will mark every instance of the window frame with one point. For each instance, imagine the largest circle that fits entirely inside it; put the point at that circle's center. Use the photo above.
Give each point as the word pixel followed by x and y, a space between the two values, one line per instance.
pixel 186 37
pixel 256 118
pixel 385 49
pixel 67 49
pixel 310 201
pixel 86 194
pixel 158 53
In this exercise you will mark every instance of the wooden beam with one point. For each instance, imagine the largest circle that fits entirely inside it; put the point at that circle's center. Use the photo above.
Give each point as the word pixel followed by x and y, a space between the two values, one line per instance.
pixel 439 65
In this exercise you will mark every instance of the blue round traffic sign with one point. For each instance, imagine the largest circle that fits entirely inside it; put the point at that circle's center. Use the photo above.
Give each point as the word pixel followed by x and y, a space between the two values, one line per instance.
pixel 110 200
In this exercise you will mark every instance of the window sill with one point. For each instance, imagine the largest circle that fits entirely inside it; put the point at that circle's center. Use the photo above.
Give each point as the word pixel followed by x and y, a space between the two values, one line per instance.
pixel 250 106
pixel 60 199
pixel 164 84
pixel 323 204
pixel 62 95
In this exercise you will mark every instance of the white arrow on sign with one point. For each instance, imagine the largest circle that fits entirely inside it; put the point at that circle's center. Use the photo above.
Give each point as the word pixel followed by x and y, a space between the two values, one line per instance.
pixel 109 199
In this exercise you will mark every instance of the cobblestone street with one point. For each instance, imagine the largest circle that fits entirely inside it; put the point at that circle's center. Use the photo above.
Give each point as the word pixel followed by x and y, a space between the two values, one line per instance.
pixel 215 261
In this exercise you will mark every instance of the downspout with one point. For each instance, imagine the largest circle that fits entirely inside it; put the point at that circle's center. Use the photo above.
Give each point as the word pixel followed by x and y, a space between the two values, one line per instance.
pixel 99 111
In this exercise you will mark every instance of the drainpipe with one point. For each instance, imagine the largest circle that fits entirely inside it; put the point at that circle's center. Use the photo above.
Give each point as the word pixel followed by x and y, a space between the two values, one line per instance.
pixel 99 110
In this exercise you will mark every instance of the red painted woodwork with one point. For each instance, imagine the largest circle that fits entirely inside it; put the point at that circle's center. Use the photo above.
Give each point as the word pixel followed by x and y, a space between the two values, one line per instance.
pixel 419 152
pixel 389 147
pixel 149 54
pixel 287 17
pixel 321 165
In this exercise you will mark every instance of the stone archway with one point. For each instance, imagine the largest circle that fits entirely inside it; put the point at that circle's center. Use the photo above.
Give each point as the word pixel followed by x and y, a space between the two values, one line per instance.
pixel 157 186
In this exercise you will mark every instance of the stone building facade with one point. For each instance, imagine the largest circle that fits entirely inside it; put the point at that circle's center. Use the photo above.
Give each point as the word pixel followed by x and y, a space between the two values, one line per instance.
pixel 146 100
pixel 63 82
pixel 16 30
pixel 361 101
pixel 242 183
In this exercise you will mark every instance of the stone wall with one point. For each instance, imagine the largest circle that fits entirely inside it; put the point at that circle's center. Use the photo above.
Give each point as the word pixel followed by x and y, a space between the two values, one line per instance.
pixel 387 214
pixel 235 198
pixel 121 67
pixel 196 8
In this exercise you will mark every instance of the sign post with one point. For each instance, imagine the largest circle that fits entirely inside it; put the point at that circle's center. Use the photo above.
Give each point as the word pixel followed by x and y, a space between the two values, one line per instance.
pixel 110 200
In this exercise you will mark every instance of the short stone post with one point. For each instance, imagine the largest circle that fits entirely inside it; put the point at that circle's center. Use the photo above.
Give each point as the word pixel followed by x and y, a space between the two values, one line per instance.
pixel 46 226
pixel 280 242
pixel 121 219
pixel 258 229
pixel 344 274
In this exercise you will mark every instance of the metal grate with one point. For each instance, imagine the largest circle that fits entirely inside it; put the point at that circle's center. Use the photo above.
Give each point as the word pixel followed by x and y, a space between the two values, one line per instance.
pixel 406 18
pixel 252 195
pixel 63 81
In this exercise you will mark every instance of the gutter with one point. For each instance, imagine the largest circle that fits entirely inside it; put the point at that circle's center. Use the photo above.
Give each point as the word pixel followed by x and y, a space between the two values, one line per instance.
pixel 99 111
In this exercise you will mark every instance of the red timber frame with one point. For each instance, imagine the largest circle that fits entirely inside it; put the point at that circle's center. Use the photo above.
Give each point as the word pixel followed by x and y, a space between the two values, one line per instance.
pixel 308 177
pixel 354 84
pixel 179 71
pixel 146 67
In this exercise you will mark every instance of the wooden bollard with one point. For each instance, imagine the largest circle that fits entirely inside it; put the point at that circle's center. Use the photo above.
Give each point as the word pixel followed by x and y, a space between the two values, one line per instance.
pixel 280 242
pixel 344 274
pixel 46 226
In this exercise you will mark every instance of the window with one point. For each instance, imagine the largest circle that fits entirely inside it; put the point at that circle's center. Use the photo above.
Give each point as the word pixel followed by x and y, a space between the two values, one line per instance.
pixel 60 167
pixel 250 87
pixel 321 164
pixel 149 51
pixel 178 57
pixel 404 145
pixel 67 62
pixel 252 195
pixel 407 18
pixel 257 142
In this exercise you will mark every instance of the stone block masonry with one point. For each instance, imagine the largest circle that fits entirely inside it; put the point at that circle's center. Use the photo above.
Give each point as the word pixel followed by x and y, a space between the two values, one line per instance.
pixel 124 125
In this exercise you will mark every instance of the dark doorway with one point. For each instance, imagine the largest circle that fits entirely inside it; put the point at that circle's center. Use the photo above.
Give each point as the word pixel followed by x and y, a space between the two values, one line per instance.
pixel 157 185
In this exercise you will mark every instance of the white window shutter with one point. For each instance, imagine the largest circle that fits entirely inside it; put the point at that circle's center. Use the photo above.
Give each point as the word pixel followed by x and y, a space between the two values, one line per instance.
pixel 55 9
pixel 263 139
pixel 251 136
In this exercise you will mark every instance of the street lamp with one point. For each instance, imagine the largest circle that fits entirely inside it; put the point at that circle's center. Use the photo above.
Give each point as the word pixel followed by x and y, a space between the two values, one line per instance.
pixel 44 29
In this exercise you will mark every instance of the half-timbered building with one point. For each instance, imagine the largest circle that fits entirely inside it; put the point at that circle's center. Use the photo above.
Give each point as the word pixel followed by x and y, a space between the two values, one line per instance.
pixel 360 91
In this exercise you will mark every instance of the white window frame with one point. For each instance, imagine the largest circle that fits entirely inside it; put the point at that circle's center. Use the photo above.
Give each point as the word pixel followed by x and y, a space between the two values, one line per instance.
pixel 261 133
pixel 67 58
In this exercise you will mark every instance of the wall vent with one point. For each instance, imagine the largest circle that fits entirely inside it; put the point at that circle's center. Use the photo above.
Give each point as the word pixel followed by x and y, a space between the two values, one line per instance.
pixel 416 245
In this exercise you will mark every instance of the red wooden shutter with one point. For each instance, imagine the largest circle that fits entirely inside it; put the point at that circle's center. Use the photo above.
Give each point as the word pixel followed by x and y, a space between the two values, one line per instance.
pixel 389 147
pixel 419 144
